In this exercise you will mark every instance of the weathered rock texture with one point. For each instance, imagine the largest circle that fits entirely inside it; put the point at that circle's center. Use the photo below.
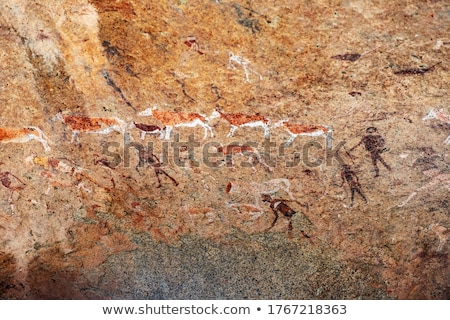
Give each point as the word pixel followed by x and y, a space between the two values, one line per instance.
pixel 81 222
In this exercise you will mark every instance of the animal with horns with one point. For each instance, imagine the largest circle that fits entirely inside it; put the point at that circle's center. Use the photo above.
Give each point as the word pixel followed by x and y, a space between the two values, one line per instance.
pixel 173 119
pixel 295 130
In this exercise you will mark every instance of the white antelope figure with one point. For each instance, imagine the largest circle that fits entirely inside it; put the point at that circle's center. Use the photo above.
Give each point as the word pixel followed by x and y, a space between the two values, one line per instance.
pixel 439 115
pixel 82 123
pixel 239 120
pixel 244 63
pixel 22 135
pixel 172 119
pixel 295 130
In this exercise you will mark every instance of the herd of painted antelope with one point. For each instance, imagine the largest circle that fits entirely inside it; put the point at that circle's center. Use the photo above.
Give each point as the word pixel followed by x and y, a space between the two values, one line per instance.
pixel 171 120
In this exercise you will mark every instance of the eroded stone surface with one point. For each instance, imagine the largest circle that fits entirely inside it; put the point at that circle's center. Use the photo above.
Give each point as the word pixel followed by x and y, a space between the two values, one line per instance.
pixel 80 221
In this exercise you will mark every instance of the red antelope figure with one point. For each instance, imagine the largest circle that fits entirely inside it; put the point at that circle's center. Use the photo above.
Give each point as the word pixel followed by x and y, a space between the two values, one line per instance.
pixel 230 150
pixel 22 135
pixel 239 120
pixel 82 123
pixel 173 119
pixel 295 130
pixel 147 129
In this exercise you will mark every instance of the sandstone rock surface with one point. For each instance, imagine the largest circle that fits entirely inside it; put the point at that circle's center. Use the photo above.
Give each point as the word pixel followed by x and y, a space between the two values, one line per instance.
pixel 104 214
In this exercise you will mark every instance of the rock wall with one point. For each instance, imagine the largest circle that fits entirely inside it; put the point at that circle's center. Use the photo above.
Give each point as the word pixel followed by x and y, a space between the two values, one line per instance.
pixel 90 210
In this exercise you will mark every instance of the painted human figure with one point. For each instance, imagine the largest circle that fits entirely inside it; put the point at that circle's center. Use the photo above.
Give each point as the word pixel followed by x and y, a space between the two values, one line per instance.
pixel 279 206
pixel 349 176
pixel 7 182
pixel 374 144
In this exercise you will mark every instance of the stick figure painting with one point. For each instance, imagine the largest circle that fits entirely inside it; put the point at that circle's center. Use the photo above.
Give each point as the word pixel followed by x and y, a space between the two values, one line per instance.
pixel 374 144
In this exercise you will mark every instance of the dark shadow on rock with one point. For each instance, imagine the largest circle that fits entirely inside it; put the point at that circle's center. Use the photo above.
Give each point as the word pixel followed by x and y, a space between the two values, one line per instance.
pixel 52 276
pixel 8 285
